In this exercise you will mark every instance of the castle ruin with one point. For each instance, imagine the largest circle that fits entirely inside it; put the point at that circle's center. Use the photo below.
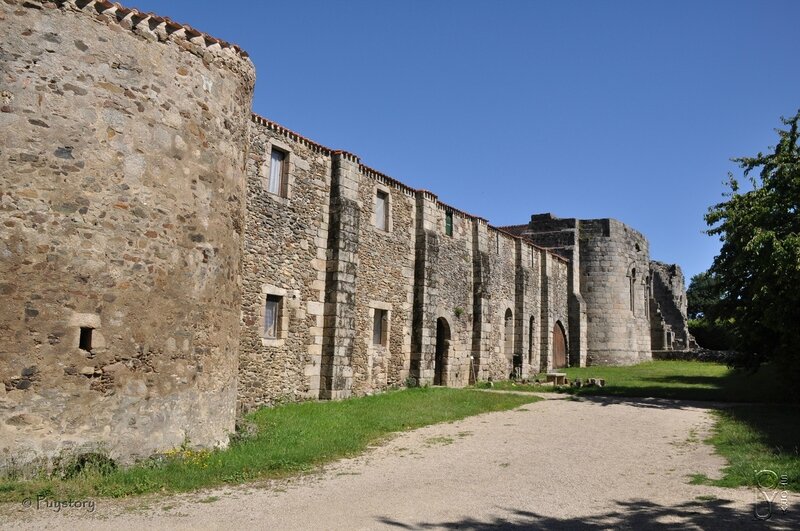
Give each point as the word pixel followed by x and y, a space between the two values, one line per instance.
pixel 171 260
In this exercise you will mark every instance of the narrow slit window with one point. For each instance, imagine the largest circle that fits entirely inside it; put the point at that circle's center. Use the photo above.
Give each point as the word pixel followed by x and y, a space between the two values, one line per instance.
pixel 85 341
pixel 633 290
pixel 272 316
pixel 277 173
pixel 382 210
pixel 448 223
pixel 497 244
pixel 379 327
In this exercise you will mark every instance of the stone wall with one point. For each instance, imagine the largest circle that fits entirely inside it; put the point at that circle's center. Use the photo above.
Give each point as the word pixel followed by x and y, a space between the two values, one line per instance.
pixel 614 266
pixel 669 308
pixel 121 216
pixel 285 256
pixel 500 305
pixel 385 283
pixel 144 247
pixel 443 289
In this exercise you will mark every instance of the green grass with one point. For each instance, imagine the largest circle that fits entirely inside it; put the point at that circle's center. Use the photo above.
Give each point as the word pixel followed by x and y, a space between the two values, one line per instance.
pixel 288 439
pixel 754 438
pixel 690 380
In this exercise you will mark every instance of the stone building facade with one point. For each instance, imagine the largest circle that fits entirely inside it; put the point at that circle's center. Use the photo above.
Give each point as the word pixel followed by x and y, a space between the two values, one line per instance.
pixel 170 260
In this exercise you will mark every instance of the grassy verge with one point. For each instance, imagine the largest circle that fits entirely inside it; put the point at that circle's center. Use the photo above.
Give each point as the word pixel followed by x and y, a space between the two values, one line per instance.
pixel 286 439
pixel 690 380
pixel 754 438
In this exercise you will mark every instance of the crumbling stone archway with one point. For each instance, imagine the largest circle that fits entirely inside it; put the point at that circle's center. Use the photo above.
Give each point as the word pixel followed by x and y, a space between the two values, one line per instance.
pixel 440 359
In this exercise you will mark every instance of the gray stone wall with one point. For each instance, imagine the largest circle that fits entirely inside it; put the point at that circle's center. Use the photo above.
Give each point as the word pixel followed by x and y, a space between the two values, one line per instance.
pixel 285 256
pixel 443 288
pixel 121 214
pixel 614 267
pixel 669 307
pixel 500 301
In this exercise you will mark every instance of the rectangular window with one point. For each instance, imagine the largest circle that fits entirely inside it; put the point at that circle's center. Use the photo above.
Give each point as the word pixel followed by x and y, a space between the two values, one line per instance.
pixel 277 173
pixel 448 223
pixel 272 316
pixel 379 327
pixel 382 210
pixel 85 339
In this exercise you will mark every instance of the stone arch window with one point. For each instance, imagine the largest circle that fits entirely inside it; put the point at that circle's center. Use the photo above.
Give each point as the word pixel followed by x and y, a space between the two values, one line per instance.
pixel 632 279
pixel 508 334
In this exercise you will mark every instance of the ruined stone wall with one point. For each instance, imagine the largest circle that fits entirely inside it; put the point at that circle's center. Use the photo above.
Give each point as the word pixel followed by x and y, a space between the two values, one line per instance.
pixel 122 197
pixel 285 256
pixel 615 260
pixel 669 293
pixel 385 282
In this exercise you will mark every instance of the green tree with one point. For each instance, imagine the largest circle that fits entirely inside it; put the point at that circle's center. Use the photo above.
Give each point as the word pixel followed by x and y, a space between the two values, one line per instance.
pixel 702 295
pixel 758 268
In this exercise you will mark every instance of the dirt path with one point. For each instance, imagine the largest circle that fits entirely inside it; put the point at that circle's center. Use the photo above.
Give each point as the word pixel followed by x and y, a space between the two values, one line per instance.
pixel 557 464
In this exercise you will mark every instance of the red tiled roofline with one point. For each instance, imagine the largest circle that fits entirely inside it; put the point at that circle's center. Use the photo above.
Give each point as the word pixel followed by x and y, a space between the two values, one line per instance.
pixel 132 19
pixel 273 126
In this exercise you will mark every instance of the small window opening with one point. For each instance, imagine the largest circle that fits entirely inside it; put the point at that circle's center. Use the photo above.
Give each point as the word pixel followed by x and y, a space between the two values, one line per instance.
pixel 382 210
pixel 633 290
pixel 448 223
pixel 497 244
pixel 379 327
pixel 85 342
pixel 272 316
pixel 277 173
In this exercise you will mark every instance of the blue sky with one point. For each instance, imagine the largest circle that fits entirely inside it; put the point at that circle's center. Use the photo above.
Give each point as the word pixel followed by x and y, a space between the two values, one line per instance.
pixel 629 110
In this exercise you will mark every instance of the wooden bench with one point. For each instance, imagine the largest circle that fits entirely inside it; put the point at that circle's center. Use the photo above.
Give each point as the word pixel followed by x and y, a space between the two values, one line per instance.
pixel 558 378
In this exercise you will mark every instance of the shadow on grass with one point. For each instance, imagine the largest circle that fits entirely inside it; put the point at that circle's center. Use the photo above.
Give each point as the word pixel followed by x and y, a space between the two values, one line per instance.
pixel 634 514
pixel 713 381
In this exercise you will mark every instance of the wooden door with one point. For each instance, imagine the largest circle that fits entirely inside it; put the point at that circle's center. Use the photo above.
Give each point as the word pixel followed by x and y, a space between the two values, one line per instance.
pixel 559 347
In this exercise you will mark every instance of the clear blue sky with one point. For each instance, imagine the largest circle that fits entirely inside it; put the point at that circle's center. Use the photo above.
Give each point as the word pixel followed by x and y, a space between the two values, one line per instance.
pixel 587 109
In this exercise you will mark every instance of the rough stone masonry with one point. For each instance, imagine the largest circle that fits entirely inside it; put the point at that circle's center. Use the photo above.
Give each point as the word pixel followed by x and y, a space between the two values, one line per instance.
pixel 169 259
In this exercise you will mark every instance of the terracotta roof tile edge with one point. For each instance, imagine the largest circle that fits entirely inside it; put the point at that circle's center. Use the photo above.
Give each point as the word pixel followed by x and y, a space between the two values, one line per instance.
pixel 134 18
pixel 291 134
pixel 274 126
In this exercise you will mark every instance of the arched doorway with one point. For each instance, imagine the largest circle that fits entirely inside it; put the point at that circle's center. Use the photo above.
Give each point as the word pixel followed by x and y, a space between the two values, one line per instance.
pixel 559 346
pixel 442 351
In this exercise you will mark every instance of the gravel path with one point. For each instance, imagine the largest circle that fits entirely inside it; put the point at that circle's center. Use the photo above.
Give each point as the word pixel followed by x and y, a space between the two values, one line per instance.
pixel 558 464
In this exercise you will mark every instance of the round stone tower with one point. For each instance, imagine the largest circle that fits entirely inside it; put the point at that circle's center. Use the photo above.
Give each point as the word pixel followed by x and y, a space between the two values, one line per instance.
pixel 121 214
pixel 614 271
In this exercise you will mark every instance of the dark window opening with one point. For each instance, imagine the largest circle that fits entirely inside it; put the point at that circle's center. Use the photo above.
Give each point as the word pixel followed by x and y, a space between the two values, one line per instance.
pixel 85 342
pixel 380 325
pixel 448 223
